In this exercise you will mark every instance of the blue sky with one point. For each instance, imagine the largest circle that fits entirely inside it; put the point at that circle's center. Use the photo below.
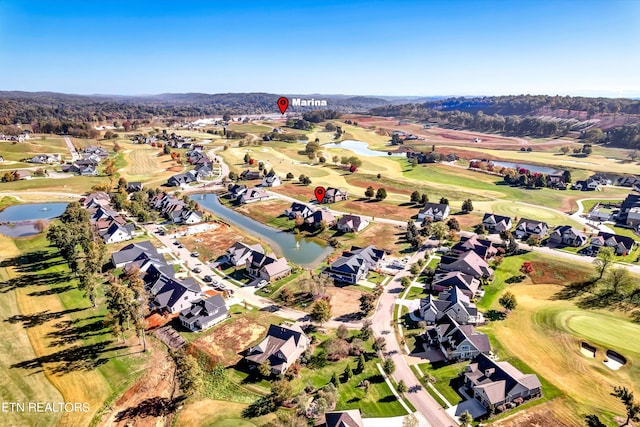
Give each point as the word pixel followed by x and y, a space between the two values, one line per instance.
pixel 419 48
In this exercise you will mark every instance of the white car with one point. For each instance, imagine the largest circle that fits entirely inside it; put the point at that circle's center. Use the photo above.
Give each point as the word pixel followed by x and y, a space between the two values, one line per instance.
pixel 261 283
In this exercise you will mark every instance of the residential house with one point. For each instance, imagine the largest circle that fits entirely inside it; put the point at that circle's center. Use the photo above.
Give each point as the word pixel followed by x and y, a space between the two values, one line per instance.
pixel 434 212
pixel 317 218
pixel 95 197
pixel 170 295
pixel 282 346
pixel 238 254
pixel 298 209
pixel 556 180
pixel 529 227
pixel 567 236
pixel 249 175
pixel 334 195
pixel 494 384
pixel 586 185
pixel 134 186
pixel 204 313
pixel 236 190
pixel 46 158
pixel 134 252
pixel 254 195
pixel 271 180
pixel 627 181
pixel 1 159
pixel 496 223
pixel 351 418
pixel 452 302
pixel 621 244
pixel 98 152
pixel 632 201
pixel 187 216
pixel 457 342
pixel 633 218
pixel 23 174
pixel 469 263
pixel 267 267
pixel 484 248
pixel 355 264
pixel 444 280
pixel 118 233
pixel 352 223
pixel 181 179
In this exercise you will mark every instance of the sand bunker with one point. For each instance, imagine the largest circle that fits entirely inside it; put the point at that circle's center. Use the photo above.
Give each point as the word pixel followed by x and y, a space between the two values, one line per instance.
pixel 614 360
pixel 588 350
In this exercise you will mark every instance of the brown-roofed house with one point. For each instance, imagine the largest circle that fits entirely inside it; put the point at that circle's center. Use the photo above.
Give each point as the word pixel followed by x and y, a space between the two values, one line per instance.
pixel 282 346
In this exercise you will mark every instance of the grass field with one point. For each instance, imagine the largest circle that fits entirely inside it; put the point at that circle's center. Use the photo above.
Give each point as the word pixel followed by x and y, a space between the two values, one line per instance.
pixel 70 344
pixel 520 210
pixel 216 413
pixel 144 164
pixel 557 328
pixel 73 184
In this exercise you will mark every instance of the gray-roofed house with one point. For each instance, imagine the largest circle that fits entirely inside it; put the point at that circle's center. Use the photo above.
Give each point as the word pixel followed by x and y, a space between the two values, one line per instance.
pixel 282 346
pixel 434 212
pixel 350 418
pixel 249 175
pixel 483 247
pixel 352 223
pixel 236 190
pixel 620 244
pixel 253 195
pixel 568 236
pixel 187 216
pixel 134 186
pixel 496 223
pixel 495 383
pixel 271 180
pixel 316 219
pixel 469 263
pixel 529 227
pixel 444 280
pixel 298 209
pixel 238 254
pixel 171 295
pixel 355 264
pixel 453 303
pixel 457 342
pixel 333 195
pixel 267 266
pixel 204 313
pixel 118 233
pixel 134 252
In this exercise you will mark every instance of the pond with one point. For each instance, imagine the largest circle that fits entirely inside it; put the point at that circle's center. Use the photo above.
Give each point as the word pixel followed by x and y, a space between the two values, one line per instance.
pixel 361 148
pixel 32 212
pixel 18 220
pixel 532 168
pixel 307 253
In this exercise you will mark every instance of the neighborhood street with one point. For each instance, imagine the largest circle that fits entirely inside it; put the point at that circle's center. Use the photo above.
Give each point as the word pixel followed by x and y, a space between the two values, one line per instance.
pixel 74 154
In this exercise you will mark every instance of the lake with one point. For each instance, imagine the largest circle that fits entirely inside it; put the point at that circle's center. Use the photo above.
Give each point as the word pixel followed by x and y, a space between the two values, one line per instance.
pixel 298 250
pixel 532 168
pixel 361 148
pixel 21 218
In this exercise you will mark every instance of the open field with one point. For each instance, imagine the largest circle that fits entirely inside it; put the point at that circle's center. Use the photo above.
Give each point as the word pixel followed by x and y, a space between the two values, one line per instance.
pixel 19 384
pixel 144 163
pixel 70 342
pixel 50 144
pixel 557 328
pixel 73 184
pixel 216 413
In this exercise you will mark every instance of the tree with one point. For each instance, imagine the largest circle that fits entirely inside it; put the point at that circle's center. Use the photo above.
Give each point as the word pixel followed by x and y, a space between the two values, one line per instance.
pixel 405 281
pixel 367 303
pixel 342 331
pixel 190 374
pixel 415 269
pixel 335 159
pixel 565 149
pixel 321 311
pixel 594 421
pixel 415 196
pixel 619 280
pixel 402 387
pixel 467 206
pixel 526 267
pixel 360 367
pixel 281 391
pixel 334 380
pixel 508 301
pixel 439 231
pixel 119 302
pixel 603 261
pixel 381 194
pixel 247 157
pixel 366 332
pixel 566 176
pixel 348 373
pixel 289 176
pixel 265 369
pixel 370 192
pixel 465 419
pixel 453 224
pixel 424 199
pixel 389 366
pixel 627 398
pixel 444 201
pixel 534 240
pixel 379 344
pixel 512 246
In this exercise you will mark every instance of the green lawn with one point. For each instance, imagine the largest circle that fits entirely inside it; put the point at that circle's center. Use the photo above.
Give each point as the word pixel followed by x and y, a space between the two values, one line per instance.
pixel 447 379
pixel 416 292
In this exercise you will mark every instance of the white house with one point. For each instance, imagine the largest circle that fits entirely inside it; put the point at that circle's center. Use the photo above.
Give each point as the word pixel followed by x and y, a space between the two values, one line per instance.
pixel 271 181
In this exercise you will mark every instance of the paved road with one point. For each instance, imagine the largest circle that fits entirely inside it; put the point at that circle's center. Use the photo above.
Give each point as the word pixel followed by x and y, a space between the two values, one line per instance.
pixel 382 327
pixel 577 215
pixel 74 154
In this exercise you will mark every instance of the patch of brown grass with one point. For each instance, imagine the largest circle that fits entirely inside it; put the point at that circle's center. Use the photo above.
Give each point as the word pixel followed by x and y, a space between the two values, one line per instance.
pixel 214 243
pixel 557 273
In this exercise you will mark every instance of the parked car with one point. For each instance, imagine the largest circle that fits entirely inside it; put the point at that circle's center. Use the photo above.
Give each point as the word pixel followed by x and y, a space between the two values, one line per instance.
pixel 197 270
pixel 261 283
pixel 176 243
pixel 207 279
pixel 195 254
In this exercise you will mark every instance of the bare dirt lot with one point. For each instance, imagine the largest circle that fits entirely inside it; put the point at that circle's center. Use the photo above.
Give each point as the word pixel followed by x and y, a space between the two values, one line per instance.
pixel 214 243
pixel 150 401
pixel 538 416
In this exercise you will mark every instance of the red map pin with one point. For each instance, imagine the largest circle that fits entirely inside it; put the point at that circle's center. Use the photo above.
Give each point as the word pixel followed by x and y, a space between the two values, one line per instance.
pixel 283 104
pixel 319 192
